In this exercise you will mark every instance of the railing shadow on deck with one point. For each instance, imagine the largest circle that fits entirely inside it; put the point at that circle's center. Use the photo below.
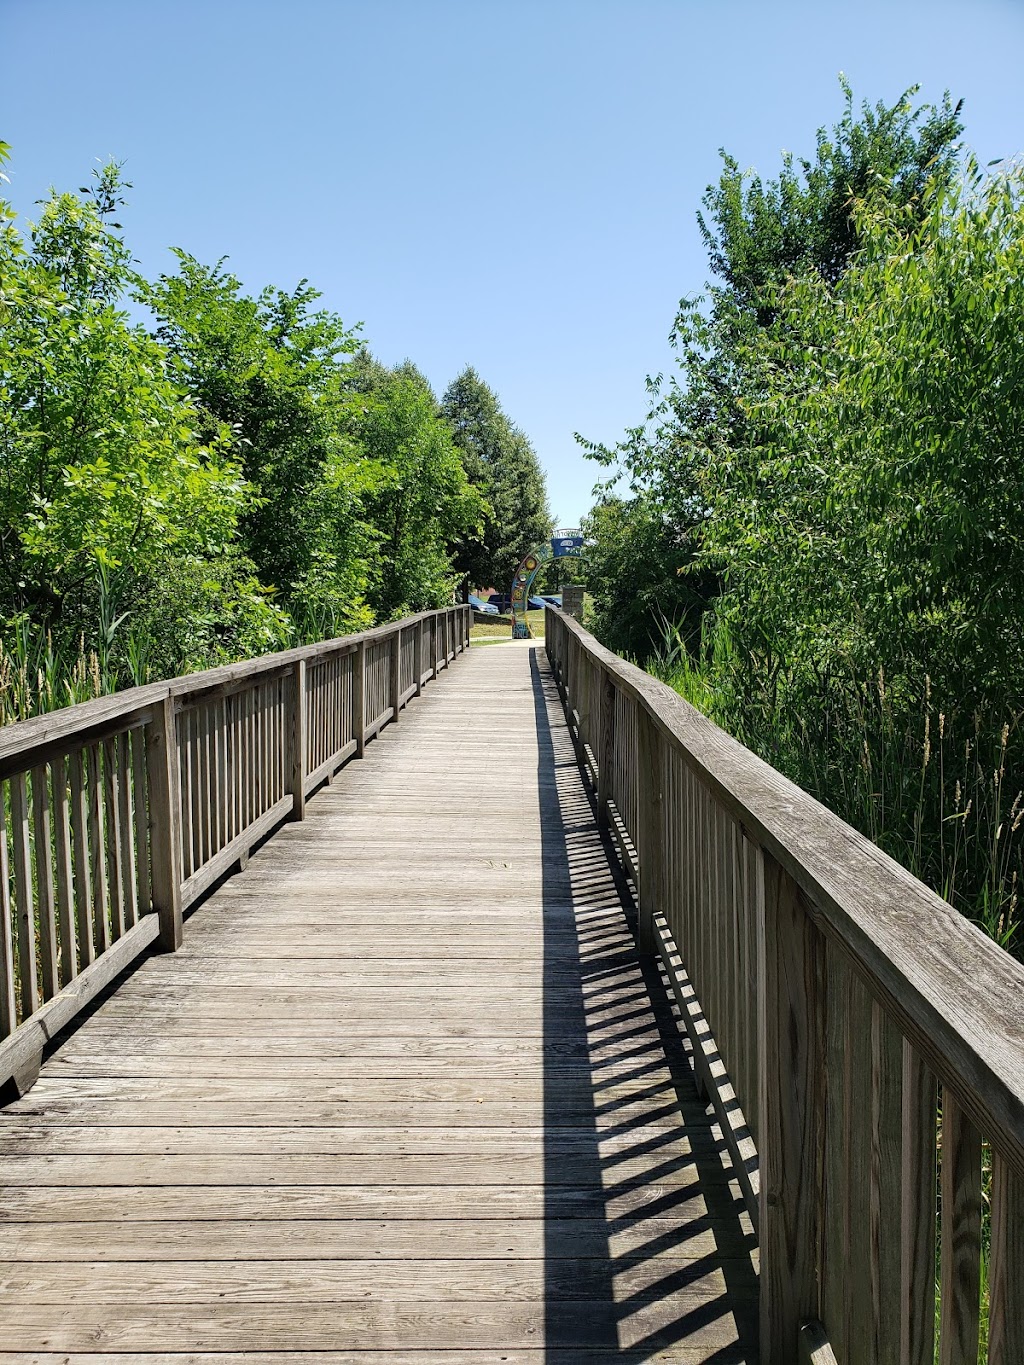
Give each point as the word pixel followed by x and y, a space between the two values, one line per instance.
pixel 861 1042
pixel 600 998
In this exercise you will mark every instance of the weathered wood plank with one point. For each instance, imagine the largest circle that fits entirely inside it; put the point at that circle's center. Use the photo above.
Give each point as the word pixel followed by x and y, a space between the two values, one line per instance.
pixel 961 1235
pixel 311 1239
pixel 438 1097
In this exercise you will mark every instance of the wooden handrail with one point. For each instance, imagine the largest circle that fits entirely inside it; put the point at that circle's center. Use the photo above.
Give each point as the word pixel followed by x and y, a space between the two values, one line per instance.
pixel 117 814
pixel 837 1008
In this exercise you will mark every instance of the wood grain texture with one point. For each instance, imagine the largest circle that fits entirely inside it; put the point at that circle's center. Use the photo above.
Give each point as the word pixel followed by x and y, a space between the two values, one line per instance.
pixel 961 1235
pixel 918 1212
pixel 792 1114
pixel 948 989
pixel 405 1092
pixel 1006 1267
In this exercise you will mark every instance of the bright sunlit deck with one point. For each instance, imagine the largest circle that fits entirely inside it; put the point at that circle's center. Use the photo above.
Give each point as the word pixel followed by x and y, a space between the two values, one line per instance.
pixel 406 1089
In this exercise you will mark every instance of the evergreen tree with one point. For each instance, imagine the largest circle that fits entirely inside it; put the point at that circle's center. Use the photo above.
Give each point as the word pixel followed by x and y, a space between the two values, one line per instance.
pixel 501 462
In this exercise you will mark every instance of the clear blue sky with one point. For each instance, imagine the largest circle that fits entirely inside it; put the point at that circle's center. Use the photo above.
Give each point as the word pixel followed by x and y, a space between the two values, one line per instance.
pixel 505 183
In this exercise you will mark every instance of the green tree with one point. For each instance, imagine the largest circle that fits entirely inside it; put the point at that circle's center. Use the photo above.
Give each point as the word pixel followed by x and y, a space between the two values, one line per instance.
pixel 501 462
pixel 418 498
pixel 641 578
pixel 109 488
pixel 760 234
pixel 271 369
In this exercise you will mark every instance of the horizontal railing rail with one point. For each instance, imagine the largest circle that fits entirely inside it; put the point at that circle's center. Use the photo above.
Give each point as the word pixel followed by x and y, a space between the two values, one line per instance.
pixel 862 1043
pixel 117 814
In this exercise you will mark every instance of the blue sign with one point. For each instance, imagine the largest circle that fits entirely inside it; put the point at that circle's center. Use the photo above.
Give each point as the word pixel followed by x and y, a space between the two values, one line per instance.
pixel 566 543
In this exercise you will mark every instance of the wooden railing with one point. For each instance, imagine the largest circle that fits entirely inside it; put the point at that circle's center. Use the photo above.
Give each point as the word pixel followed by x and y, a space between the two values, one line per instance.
pixel 117 814
pixel 858 1038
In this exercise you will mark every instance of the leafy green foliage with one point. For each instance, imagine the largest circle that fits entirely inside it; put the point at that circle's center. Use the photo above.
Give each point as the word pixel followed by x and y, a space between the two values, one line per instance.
pixel 419 498
pixel 230 481
pixel 839 453
pixel 641 576
pixel 105 477
pixel 271 371
pixel 760 233
pixel 500 461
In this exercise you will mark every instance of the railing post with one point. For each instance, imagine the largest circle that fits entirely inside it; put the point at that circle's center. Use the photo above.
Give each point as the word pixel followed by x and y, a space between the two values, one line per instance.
pixel 418 652
pixel 165 823
pixel 359 698
pixel 791 963
pixel 396 670
pixel 606 756
pixel 650 828
pixel 298 740
pixel 433 646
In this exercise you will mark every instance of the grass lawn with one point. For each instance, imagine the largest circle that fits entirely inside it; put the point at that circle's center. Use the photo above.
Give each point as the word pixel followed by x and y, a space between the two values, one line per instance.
pixel 488 634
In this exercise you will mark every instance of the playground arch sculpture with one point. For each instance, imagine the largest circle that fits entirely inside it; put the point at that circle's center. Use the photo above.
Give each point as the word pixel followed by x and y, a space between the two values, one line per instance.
pixel 566 543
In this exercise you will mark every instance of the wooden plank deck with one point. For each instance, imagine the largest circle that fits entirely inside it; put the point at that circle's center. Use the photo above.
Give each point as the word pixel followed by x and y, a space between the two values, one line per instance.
pixel 406 1090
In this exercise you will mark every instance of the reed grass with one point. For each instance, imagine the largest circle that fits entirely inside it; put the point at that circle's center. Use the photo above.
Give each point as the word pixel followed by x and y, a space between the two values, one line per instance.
pixel 939 788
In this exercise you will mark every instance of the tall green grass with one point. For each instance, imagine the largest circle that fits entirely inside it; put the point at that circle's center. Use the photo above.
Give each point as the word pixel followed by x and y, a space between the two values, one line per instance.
pixel 939 788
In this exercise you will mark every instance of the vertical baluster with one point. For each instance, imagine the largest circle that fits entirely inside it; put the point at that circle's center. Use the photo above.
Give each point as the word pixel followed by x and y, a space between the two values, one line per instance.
pixel 858 1137
pixel 267 718
pixel 188 833
pixel 49 943
pixel 961 1235
pixel 886 1185
pixel 22 857
pixel 299 740
pixel 755 894
pixel 283 728
pixel 140 804
pixel 835 1223
pixel 259 747
pixel 223 786
pixel 83 884
pixel 605 757
pixel 270 747
pixel 359 699
pixel 8 998
pixel 115 858
pixel 62 859
pixel 395 672
pixel 216 733
pixel 1006 1273
pixel 230 775
pixel 242 700
pixel 340 699
pixel 791 951
pixel 165 806
pixel 205 782
pixel 251 748
pixel 650 838
pixel 126 827
pixel 738 1065
pixel 917 1214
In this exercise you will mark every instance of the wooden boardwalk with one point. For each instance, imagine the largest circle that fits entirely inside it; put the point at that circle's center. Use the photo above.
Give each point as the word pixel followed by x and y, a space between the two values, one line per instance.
pixel 406 1091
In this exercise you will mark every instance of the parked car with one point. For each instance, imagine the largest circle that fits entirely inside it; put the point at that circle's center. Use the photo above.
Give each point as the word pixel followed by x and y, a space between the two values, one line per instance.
pixel 478 604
